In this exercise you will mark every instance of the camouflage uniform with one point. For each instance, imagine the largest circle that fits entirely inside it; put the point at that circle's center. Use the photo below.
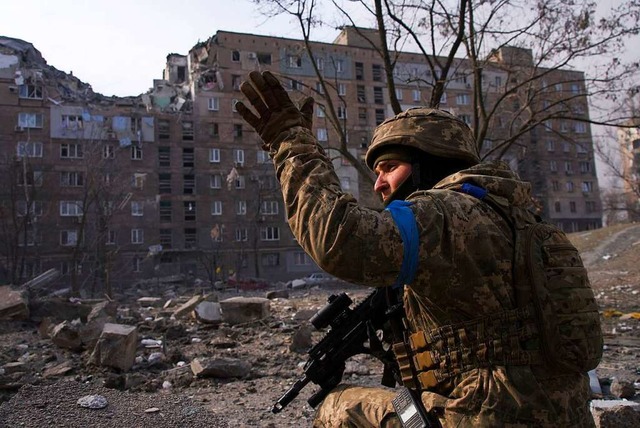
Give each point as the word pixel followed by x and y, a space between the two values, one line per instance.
pixel 465 272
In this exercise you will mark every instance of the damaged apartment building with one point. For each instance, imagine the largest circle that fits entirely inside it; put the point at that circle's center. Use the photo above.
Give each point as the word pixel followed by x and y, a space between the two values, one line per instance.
pixel 116 190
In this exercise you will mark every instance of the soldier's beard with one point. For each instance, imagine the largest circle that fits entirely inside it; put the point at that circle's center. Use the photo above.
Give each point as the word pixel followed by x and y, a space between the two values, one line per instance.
pixel 419 179
pixel 403 191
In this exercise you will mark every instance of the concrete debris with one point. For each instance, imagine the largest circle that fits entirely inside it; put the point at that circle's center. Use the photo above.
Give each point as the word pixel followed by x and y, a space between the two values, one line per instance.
pixel 277 294
pixel 14 367
pixel 42 280
pixel 220 367
pixel 57 370
pixel 208 313
pixel 116 347
pixel 151 343
pixel 103 309
pixel 255 341
pixel 93 402
pixel 304 314
pixel 154 302
pixel 240 310
pixel 60 309
pixel 67 335
pixel 13 304
pixel 187 307
pixel 302 339
pixel 615 413
pixel 622 389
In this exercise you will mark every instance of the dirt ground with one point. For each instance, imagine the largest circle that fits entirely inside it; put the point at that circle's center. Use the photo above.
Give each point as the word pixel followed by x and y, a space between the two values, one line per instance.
pixel 167 395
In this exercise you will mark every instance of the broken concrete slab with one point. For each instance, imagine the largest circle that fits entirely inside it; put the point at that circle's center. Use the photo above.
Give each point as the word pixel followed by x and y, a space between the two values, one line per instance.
pixel 277 294
pixel 208 313
pixel 104 309
pixel 179 376
pixel 240 310
pixel 42 280
pixel 220 367
pixel 621 388
pixel 13 304
pixel 116 347
pixel 57 370
pixel 615 413
pixel 14 367
pixel 67 335
pixel 187 307
pixel 302 339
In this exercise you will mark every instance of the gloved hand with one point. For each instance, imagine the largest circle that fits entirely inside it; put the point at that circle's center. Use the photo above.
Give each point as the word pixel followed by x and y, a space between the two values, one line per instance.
pixel 276 111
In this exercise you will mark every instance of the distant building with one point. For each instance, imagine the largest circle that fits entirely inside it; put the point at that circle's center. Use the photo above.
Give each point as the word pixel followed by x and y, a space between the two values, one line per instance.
pixel 116 190
pixel 629 143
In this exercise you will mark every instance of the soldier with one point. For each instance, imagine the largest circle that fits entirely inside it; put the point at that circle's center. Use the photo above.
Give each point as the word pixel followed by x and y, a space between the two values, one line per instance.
pixel 463 324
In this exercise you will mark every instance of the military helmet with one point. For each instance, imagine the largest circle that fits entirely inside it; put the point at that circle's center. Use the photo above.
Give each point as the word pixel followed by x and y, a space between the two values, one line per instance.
pixel 435 132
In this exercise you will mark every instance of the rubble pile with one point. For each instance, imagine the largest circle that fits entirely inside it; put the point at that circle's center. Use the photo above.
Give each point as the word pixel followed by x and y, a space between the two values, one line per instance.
pixel 224 355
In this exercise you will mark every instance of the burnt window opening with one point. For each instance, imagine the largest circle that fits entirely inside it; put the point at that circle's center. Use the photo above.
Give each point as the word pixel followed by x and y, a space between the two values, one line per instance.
pixel 264 58
pixel 164 157
pixel 164 129
pixel 189 184
pixel 359 71
pixel 187 131
pixel 190 238
pixel 165 211
pixel 164 183
pixel 189 210
pixel 188 158
pixel 182 74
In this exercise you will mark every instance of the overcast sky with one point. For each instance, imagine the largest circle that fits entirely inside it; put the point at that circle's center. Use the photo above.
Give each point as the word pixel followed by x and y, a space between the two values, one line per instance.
pixel 120 46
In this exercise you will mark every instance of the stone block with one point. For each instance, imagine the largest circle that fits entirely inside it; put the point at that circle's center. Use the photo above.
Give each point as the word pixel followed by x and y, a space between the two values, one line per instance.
pixel 67 335
pixel 240 310
pixel 116 347
pixel 208 313
pixel 13 304
pixel 104 309
pixel 615 413
pixel 187 307
pixel 220 367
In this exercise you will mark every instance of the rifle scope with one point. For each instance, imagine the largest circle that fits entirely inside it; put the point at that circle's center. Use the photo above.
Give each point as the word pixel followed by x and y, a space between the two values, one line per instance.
pixel 337 305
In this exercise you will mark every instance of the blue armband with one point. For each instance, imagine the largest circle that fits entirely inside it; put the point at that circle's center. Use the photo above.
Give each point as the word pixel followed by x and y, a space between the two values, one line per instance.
pixel 406 222
pixel 475 191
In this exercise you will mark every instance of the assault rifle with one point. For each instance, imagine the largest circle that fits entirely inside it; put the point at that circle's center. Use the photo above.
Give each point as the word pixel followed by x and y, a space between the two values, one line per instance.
pixel 353 331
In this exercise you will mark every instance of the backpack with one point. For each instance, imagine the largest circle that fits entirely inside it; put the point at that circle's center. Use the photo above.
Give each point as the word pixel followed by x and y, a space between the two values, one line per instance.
pixel 550 275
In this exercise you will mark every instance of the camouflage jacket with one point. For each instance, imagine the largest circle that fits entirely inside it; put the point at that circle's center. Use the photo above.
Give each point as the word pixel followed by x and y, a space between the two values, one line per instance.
pixel 464 272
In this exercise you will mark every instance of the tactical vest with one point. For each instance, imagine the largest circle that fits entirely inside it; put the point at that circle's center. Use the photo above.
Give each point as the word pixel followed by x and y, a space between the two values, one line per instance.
pixel 555 325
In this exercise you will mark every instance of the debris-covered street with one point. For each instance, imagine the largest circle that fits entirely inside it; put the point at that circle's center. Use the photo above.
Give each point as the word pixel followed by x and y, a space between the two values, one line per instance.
pixel 172 353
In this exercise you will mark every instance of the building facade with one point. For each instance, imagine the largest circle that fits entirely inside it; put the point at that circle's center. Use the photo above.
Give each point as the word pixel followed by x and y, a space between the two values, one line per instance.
pixel 115 190
pixel 629 143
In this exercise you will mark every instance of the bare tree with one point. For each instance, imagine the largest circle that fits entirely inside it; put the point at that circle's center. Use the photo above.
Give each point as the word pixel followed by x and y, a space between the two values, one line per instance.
pixel 619 153
pixel 327 92
pixel 507 51
pixel 22 211
pixel 97 189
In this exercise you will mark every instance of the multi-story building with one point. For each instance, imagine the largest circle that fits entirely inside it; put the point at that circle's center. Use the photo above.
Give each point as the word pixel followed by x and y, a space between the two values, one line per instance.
pixel 629 142
pixel 174 181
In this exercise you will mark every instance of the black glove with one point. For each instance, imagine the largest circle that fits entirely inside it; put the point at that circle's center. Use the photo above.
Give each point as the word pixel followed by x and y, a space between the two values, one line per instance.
pixel 277 113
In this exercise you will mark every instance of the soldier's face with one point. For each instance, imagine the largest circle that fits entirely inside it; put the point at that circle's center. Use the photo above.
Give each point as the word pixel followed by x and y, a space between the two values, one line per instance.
pixel 391 174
